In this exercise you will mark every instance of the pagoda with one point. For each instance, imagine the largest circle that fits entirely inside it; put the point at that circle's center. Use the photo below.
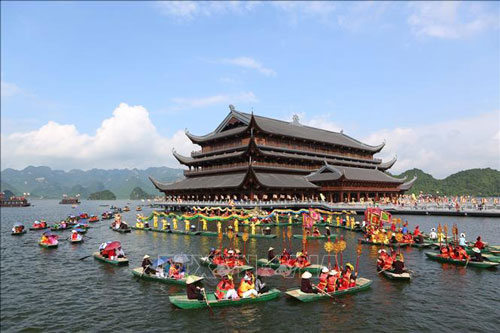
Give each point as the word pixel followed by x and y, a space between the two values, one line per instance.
pixel 250 157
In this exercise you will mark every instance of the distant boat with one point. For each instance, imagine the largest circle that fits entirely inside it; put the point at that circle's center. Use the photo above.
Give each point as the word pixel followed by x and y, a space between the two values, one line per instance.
pixel 13 201
pixel 69 201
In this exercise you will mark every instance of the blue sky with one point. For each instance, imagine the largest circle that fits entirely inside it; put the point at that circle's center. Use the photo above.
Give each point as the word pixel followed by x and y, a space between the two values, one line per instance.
pixel 423 76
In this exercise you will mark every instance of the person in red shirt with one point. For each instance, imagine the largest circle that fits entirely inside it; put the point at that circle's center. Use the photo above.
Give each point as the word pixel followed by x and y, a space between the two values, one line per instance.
pixel 323 277
pixel 479 244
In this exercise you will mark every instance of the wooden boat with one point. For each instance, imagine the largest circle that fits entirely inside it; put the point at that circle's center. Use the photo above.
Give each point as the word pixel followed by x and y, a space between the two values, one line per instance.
pixel 76 241
pixel 209 233
pixel 483 264
pixel 313 237
pixel 182 232
pixel 32 228
pixel 181 300
pixel 138 273
pixel 361 284
pixel 314 269
pixel 48 246
pixel 364 241
pixel 206 262
pixel 405 276
pixel 122 231
pixel 93 219
pixel 119 261
pixel 145 229
pixel 491 257
pixel 138 209
pixel 18 233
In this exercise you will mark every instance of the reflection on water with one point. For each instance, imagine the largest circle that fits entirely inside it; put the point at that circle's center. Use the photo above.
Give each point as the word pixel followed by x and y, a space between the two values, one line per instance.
pixel 52 290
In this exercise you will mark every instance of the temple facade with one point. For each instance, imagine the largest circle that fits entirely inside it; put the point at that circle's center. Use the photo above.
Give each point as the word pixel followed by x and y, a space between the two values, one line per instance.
pixel 249 157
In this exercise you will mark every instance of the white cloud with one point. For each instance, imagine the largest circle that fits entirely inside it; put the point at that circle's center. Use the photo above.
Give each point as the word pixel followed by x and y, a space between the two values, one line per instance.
pixel 450 19
pixel 9 89
pixel 128 139
pixel 188 10
pixel 181 103
pixel 247 62
pixel 444 148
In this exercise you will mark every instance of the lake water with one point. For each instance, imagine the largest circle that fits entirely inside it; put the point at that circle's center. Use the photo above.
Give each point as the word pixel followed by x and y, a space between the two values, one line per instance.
pixel 52 290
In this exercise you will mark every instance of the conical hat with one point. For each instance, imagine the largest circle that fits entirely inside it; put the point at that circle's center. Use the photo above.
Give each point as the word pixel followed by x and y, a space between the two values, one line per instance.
pixel 306 275
pixel 189 280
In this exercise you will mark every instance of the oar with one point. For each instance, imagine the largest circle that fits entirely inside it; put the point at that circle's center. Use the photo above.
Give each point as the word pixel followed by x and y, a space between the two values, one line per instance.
pixel 206 301
pixel 327 294
pixel 85 257
pixel 270 261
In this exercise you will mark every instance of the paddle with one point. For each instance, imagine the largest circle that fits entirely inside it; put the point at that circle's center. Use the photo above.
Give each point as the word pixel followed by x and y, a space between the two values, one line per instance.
pixel 206 301
pixel 270 261
pixel 327 294
pixel 85 257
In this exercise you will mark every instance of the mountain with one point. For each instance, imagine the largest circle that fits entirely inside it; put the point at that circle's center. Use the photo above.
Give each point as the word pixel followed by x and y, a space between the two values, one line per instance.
pixel 43 182
pixel 138 194
pixel 476 182
pixel 102 195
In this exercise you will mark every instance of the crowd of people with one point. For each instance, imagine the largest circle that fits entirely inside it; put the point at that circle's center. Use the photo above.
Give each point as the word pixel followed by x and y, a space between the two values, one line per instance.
pixel 166 270
pixel 250 286
pixel 48 239
pixel 330 280
pixel 226 257
pixel 111 253
pixel 300 260
pixel 393 262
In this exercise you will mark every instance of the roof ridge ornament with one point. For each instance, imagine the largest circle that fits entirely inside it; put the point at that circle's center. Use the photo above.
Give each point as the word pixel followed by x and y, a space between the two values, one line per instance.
pixel 295 120
pixel 232 108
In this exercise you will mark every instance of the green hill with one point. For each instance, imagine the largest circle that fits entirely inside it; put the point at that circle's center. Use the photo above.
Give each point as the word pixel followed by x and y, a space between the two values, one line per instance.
pixel 102 195
pixel 476 182
pixel 138 194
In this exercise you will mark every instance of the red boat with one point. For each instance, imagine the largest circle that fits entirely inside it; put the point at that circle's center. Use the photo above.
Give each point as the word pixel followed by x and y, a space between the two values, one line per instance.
pixel 94 218
pixel 39 225
pixel 84 216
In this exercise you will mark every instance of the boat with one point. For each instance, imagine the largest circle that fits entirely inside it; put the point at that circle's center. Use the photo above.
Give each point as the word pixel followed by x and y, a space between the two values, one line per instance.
pixel 405 276
pixel 76 240
pixel 364 241
pixel 107 215
pixel 313 269
pixel 421 245
pixel 182 232
pixel 13 201
pixel 93 219
pixel 491 257
pixel 18 233
pixel 236 269
pixel 119 261
pixel 240 234
pixel 126 209
pixel 39 226
pixel 313 237
pixel 483 264
pixel 138 209
pixel 58 228
pixel 209 233
pixel 48 246
pixel 122 231
pixel 361 284
pixel 145 229
pixel 138 273
pixel 181 300
pixel 69 201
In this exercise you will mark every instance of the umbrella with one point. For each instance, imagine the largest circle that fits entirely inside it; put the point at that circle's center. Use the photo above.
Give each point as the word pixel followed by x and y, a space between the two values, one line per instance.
pixel 47 233
pixel 112 246
pixel 79 230
pixel 181 258
pixel 160 261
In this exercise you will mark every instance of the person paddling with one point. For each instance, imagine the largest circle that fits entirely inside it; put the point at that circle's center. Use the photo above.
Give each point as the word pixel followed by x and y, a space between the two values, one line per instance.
pixel 306 285
pixel 271 257
pixel 476 255
pixel 398 265
pixel 146 265
pixel 193 291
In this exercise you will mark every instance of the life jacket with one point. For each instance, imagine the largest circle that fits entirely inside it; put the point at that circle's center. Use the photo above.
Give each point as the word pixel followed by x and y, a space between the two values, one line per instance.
pixel 221 290
pixel 323 277
pixel 74 236
pixel 444 252
pixel 387 263
pixel 244 287
pixel 416 232
pixel 331 283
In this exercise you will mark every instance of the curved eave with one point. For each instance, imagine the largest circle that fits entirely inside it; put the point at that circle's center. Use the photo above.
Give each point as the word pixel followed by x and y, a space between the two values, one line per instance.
pixel 387 165
pixel 214 136
pixel 183 159
pixel 408 185
pixel 364 146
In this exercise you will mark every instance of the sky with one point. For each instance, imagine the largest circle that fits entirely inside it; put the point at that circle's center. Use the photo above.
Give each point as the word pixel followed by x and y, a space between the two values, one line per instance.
pixel 115 84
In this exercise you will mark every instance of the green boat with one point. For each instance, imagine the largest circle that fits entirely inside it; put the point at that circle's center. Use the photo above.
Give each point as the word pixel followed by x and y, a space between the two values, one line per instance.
pixel 483 264
pixel 236 269
pixel 122 231
pixel 313 237
pixel 240 234
pixel 48 246
pixel 364 241
pixel 181 300
pixel 491 257
pixel 209 233
pixel 182 232
pixel 119 261
pixel 18 233
pixel 138 273
pixel 421 245
pixel 313 269
pixel 405 276
pixel 361 284
pixel 144 229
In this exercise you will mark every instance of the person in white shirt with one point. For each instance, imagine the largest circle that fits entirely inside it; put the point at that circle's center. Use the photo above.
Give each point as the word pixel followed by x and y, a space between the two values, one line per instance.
pixel 433 234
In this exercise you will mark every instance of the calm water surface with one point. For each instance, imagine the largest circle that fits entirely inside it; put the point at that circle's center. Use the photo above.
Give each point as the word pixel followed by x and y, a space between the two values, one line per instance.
pixel 52 290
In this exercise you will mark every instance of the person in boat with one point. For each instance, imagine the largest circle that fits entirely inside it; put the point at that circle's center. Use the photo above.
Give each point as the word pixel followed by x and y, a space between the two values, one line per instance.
pixel 166 268
pixel 211 254
pixel 443 252
pixel 398 265
pixel 461 254
pixel 285 256
pixel 260 285
pixel 193 291
pixel 316 232
pixel 18 228
pixel 160 271
pixel 271 257
pixel 306 285
pixel 146 224
pixel 147 266
pixel 346 276
pixel 476 255
pixel 433 235
pixel 323 277
pixel 44 239
pixel 123 225
pixel 393 240
pixel 225 289
pixel 247 288
pixel 331 282
pixel 267 231
pixel 302 260
pixel 462 241
pixel 250 274
pixel 479 244
pixel 405 228
pixel 75 236
pixel 328 232
pixel 382 255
